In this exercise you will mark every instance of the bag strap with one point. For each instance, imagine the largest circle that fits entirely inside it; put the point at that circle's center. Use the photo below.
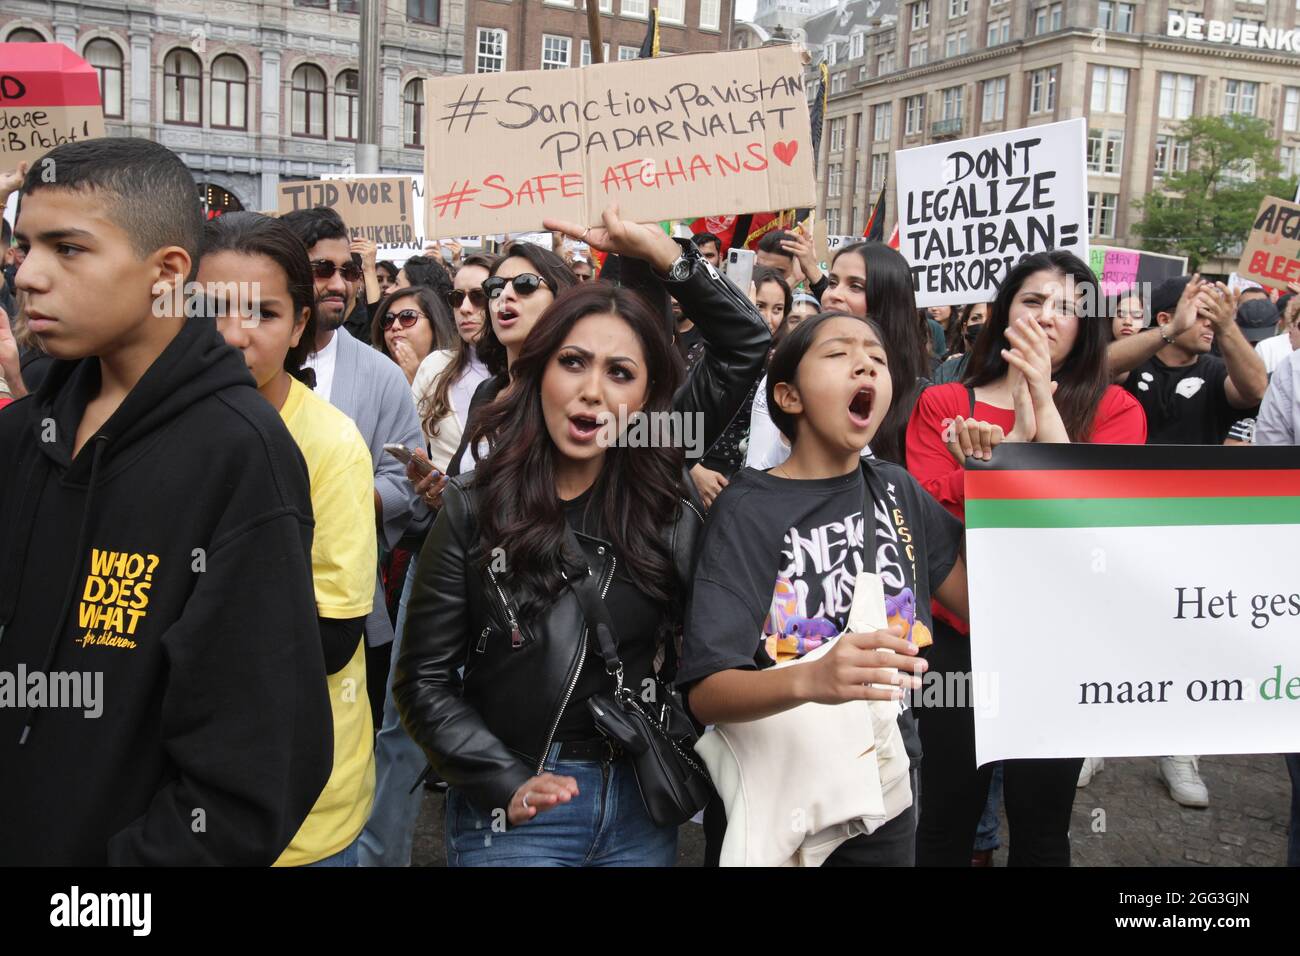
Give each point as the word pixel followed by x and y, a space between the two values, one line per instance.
pixel 971 392
pixel 585 588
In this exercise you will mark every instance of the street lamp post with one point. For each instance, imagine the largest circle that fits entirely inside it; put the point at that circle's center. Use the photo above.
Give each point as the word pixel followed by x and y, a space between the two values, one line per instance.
pixel 367 159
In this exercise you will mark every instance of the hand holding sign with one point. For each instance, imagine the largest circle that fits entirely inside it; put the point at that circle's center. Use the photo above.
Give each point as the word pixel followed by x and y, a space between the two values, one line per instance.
pixel 637 240
pixel 11 181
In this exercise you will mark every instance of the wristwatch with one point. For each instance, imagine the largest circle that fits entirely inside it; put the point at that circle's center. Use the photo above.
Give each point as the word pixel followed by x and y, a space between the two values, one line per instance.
pixel 683 265
pixel 1169 339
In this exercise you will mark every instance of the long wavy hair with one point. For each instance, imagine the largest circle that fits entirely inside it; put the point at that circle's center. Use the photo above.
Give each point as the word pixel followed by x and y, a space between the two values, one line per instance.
pixel 252 234
pixel 637 491
pixel 891 302
pixel 550 267
pixel 435 405
pixel 1082 379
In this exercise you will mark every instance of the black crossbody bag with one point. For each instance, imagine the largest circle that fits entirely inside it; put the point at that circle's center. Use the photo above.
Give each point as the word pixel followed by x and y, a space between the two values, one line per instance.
pixel 657 734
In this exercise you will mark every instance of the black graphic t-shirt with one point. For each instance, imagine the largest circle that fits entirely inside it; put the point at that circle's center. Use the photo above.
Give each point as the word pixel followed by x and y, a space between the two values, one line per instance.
pixel 1185 404
pixel 780 558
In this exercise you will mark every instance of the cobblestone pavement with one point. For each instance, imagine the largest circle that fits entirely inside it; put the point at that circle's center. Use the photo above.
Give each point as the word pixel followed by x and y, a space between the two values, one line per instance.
pixel 1139 825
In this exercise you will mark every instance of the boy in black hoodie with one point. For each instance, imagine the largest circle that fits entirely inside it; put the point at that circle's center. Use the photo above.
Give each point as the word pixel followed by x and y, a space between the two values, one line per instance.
pixel 155 533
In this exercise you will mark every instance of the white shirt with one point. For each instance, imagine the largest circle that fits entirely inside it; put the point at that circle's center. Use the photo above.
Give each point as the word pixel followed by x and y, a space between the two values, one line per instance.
pixel 462 390
pixel 1274 350
pixel 444 444
pixel 322 362
pixel 768 447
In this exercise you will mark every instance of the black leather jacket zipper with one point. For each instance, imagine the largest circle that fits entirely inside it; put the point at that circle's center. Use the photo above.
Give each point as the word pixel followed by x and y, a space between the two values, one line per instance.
pixel 577 671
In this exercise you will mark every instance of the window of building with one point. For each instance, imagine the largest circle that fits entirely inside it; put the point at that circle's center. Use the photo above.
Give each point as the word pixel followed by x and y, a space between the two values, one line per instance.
pixel 629 53
pixel 915 114
pixel 1240 96
pixel 1116 17
pixel 834 172
pixel 885 63
pixel 958 8
pixel 710 14
pixel 879 171
pixel 884 126
pixel 672 11
pixel 1290 157
pixel 421 11
pixel 1106 151
pixel 106 57
pixel 999 31
pixel 1172 155
pixel 860 131
pixel 182 88
pixel 955 44
pixel 952 100
pixel 920 14
pixel 837 134
pixel 347 104
pixel 307 96
pixel 862 74
pixel 1042 91
pixel 1101 214
pixel 1291 109
pixel 918 54
pixel 635 8
pixel 321 4
pixel 1177 94
pixel 491 53
pixel 555 52
pixel 25 36
pixel 1047 19
pixel 229 92
pixel 1109 89
pixel 586 52
pixel 413 113
pixel 857 45
pixel 859 174
pixel 995 100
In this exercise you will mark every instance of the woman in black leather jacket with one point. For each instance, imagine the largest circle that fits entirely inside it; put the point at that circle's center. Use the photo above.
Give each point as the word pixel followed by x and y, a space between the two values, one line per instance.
pixel 561 494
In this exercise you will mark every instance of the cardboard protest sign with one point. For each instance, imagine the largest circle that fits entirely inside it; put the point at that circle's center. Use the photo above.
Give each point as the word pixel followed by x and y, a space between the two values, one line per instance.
pixel 665 137
pixel 1120 270
pixel 970 210
pixel 373 207
pixel 1272 253
pixel 48 96
pixel 1132 600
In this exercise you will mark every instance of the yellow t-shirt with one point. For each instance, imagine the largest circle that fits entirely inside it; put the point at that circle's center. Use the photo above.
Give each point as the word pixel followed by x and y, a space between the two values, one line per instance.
pixel 343 552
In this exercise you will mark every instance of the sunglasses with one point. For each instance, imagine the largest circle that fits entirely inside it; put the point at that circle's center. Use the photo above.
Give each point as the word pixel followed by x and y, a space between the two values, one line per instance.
pixel 324 269
pixel 525 284
pixel 406 318
pixel 476 298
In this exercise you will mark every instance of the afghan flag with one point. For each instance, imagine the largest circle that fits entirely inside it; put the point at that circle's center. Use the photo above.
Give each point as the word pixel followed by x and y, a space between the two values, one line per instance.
pixel 1133 486
pixel 650 45
pixel 875 231
pixel 1133 600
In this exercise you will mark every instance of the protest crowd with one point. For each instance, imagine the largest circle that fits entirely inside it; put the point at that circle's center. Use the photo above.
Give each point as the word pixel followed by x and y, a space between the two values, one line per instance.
pixel 539 528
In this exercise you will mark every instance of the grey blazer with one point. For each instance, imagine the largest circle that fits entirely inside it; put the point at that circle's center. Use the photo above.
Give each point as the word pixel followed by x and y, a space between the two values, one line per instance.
pixel 370 389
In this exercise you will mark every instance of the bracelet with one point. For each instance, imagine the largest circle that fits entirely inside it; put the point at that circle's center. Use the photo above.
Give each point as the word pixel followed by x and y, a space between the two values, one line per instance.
pixel 1168 339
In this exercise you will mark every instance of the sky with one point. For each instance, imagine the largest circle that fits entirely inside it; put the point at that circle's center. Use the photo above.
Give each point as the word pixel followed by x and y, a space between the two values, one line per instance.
pixel 745 9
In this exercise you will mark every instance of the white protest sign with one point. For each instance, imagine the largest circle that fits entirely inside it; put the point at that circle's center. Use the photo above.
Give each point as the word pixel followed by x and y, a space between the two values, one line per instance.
pixel 1134 600
pixel 970 210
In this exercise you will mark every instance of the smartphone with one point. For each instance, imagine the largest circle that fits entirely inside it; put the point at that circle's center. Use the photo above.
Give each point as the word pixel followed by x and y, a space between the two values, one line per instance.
pixel 740 268
pixel 406 457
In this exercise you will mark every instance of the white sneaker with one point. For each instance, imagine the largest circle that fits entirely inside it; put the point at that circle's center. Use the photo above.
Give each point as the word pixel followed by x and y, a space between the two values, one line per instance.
pixel 1091 767
pixel 1181 775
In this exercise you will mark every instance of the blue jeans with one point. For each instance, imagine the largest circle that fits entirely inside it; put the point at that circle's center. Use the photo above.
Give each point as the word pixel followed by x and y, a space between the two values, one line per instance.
pixel 1293 841
pixel 606 824
pixel 986 834
pixel 386 839
pixel 344 857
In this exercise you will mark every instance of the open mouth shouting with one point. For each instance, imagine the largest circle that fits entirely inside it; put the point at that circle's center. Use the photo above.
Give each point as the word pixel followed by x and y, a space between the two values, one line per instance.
pixel 860 407
pixel 506 316
pixel 584 428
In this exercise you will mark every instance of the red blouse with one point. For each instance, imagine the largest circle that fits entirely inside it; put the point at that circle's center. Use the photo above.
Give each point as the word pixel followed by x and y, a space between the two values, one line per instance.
pixel 1119 421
